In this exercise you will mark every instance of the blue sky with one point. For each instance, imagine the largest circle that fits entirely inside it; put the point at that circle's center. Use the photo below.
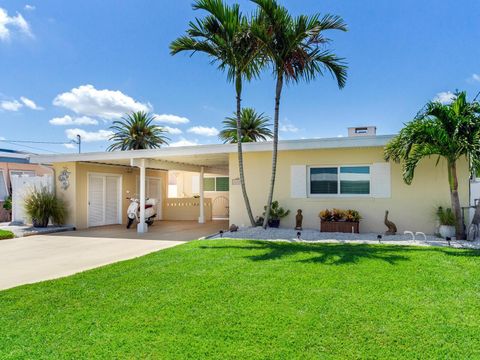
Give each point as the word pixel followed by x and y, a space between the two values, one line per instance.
pixel 70 67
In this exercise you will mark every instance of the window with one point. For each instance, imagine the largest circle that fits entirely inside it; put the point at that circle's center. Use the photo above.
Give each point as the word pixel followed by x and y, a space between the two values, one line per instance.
pixel 22 173
pixel 340 180
pixel 3 187
pixel 216 184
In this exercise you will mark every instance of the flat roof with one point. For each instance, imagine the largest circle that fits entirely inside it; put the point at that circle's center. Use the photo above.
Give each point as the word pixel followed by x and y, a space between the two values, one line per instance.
pixel 213 155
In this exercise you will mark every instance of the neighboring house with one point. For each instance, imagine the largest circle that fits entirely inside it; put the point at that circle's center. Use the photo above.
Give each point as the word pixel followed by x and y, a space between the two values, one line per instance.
pixel 16 163
pixel 313 174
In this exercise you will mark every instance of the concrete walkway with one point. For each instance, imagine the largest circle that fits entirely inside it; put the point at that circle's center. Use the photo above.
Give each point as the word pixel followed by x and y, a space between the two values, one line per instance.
pixel 44 257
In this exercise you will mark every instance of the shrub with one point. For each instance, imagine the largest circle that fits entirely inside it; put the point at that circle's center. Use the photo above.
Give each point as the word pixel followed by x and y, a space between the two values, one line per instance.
pixel 5 234
pixel 325 215
pixel 276 212
pixel 352 215
pixel 338 215
pixel 7 204
pixel 42 206
pixel 446 216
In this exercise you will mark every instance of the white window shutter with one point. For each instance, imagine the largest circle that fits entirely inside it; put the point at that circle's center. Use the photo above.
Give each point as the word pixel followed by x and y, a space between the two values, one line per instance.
pixel 298 181
pixel 381 182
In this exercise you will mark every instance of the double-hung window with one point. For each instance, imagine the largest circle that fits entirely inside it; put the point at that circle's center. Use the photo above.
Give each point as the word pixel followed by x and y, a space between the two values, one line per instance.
pixel 340 180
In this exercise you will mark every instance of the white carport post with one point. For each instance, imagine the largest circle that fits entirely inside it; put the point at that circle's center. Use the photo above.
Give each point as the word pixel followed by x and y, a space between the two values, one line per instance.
pixel 201 218
pixel 142 227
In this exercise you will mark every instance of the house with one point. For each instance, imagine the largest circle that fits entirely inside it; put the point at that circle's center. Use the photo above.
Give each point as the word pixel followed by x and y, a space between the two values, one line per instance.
pixel 12 163
pixel 313 174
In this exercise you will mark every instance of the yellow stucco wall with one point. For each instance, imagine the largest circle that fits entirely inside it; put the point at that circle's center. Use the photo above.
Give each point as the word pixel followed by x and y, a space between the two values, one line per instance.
pixel 76 195
pixel 411 207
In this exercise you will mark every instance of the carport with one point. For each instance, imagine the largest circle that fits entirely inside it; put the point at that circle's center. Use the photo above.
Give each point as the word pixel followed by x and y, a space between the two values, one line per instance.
pixel 119 173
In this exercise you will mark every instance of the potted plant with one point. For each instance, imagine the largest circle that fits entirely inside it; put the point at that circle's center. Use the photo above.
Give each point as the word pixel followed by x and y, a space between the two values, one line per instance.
pixel 337 220
pixel 446 218
pixel 42 205
pixel 276 214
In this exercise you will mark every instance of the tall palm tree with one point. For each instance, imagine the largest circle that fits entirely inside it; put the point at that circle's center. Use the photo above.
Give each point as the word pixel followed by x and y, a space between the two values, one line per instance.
pixel 254 127
pixel 295 48
pixel 136 131
pixel 449 131
pixel 224 35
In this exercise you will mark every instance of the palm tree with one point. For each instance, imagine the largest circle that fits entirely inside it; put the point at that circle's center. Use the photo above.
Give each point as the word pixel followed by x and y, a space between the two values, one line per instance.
pixel 254 127
pixel 449 131
pixel 295 48
pixel 136 131
pixel 225 36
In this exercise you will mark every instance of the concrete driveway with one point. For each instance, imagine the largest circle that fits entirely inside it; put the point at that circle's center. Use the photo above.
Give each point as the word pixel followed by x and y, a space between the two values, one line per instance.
pixel 44 257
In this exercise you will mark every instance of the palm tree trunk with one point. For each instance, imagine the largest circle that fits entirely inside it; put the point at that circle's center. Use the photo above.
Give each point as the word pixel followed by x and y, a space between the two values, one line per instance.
pixel 238 86
pixel 457 210
pixel 278 94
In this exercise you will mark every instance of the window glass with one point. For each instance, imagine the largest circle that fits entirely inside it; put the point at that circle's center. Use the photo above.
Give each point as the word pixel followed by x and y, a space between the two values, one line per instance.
pixel 355 180
pixel 324 180
pixel 222 184
pixel 209 184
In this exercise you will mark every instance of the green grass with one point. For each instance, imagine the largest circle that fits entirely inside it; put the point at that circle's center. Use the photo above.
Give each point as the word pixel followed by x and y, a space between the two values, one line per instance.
pixel 245 299
pixel 6 234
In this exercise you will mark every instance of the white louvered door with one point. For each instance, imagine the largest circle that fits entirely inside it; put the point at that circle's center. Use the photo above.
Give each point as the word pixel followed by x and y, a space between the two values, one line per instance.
pixel 103 200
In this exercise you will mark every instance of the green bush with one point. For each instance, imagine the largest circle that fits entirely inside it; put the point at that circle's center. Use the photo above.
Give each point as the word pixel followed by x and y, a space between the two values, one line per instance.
pixel 446 216
pixel 5 234
pixel 43 205
pixel 276 212
pixel 7 204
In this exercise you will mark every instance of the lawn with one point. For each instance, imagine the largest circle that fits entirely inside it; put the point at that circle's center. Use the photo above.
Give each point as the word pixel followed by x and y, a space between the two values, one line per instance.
pixel 245 299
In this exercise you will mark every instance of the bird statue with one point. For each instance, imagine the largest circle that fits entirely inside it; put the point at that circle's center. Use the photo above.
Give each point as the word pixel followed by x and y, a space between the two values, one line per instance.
pixel 392 228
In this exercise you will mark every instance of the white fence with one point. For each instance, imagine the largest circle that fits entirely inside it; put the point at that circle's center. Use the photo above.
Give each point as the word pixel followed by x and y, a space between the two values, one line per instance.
pixel 22 186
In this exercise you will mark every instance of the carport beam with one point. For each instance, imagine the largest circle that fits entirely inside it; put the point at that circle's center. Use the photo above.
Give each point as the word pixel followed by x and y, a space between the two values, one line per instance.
pixel 201 218
pixel 142 227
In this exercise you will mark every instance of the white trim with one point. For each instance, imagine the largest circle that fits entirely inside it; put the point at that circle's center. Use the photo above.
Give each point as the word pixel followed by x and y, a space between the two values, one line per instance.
pixel 284 145
pixel 338 195
pixel 120 192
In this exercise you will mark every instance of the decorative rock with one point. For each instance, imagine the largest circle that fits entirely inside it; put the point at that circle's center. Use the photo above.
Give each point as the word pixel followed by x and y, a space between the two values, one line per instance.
pixel 233 228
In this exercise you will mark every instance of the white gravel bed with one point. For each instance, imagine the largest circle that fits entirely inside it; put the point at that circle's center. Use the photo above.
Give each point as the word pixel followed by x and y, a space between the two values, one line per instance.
pixel 315 236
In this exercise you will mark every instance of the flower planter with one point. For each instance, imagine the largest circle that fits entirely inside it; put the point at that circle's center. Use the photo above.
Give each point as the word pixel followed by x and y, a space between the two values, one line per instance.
pixel 447 231
pixel 275 223
pixel 339 226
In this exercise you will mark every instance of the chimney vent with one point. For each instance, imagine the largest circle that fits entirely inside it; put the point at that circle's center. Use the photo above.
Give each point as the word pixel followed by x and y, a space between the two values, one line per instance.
pixel 362 131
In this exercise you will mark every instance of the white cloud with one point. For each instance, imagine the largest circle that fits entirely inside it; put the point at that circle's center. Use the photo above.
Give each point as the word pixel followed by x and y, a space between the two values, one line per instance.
pixel 203 131
pixel 10 23
pixel 183 142
pixel 475 78
pixel 29 7
pixel 287 127
pixel 107 104
pixel 30 103
pixel 171 119
pixel 70 146
pixel 172 130
pixel 445 97
pixel 13 105
pixel 68 120
pixel 88 136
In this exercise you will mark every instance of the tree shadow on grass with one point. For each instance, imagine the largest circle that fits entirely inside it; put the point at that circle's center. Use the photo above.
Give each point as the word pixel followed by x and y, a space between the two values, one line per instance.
pixel 330 254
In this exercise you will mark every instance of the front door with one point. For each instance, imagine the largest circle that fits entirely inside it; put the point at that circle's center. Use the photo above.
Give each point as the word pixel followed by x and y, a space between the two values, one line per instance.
pixel 153 190
pixel 103 200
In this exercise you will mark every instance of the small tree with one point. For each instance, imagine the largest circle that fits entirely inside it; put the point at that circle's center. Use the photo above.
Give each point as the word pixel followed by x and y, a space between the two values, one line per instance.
pixel 254 127
pixel 449 131
pixel 136 131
